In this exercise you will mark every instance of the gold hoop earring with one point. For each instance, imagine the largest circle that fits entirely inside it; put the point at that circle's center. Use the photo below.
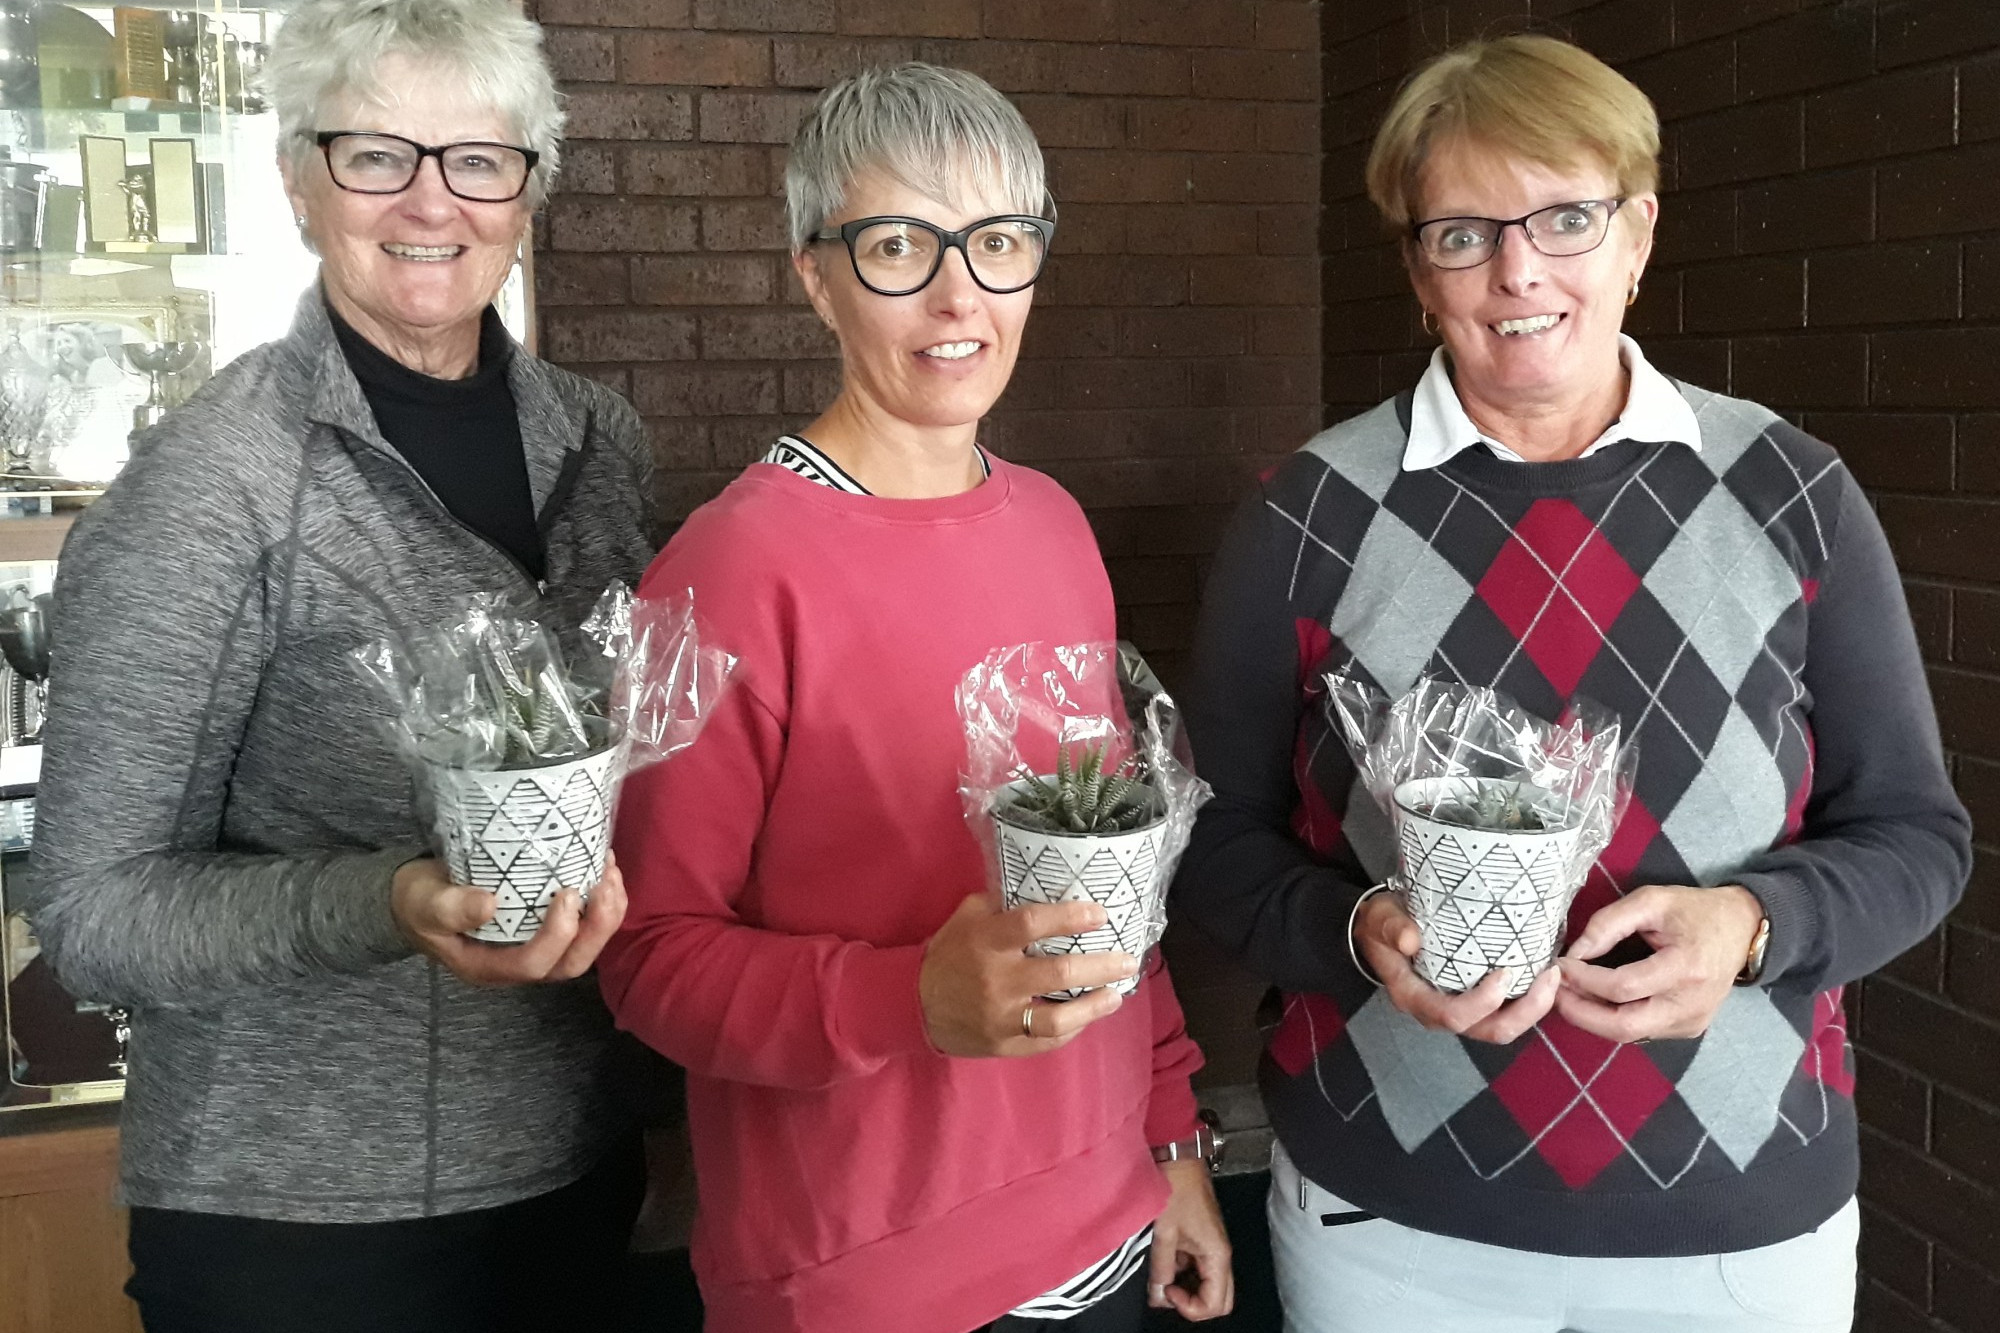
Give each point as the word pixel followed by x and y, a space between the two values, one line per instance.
pixel 1429 322
pixel 1633 295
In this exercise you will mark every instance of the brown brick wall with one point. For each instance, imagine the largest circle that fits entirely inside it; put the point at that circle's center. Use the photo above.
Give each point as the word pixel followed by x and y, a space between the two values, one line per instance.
pixel 1829 245
pixel 1175 343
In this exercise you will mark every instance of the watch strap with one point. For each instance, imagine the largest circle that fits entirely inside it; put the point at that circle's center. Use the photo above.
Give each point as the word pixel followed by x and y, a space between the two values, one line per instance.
pixel 1753 961
pixel 1206 1145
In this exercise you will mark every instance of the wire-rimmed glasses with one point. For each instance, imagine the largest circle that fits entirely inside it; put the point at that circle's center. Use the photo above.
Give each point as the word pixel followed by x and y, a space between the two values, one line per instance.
pixel 1574 228
pixel 372 163
pixel 895 256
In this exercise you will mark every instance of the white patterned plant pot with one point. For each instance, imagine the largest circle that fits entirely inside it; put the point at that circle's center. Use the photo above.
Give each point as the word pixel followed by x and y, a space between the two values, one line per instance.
pixel 1483 898
pixel 1118 871
pixel 524 833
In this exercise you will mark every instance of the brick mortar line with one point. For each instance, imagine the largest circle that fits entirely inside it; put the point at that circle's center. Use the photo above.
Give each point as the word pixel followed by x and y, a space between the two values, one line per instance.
pixel 1945 1001
pixel 1876 1200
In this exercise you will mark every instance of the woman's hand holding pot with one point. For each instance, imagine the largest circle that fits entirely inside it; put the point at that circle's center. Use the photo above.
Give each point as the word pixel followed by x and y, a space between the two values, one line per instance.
pixel 1389 939
pixel 978 986
pixel 434 913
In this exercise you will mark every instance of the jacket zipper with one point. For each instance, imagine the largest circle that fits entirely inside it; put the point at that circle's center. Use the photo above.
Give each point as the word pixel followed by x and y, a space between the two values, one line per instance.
pixel 541 586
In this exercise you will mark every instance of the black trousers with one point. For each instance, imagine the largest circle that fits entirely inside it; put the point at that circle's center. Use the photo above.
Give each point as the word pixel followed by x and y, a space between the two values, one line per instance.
pixel 1123 1311
pixel 552 1262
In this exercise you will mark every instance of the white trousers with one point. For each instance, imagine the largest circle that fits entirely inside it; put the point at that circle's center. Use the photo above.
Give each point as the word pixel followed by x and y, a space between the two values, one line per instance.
pixel 1377 1277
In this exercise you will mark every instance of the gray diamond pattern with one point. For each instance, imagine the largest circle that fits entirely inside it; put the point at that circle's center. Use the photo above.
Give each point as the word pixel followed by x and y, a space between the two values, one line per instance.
pixel 1367 450
pixel 1734 808
pixel 1399 602
pixel 1421 1077
pixel 1740 1072
pixel 1723 580
pixel 1724 584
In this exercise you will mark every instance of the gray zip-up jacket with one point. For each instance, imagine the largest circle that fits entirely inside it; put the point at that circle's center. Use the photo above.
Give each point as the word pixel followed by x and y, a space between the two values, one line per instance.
pixel 220 816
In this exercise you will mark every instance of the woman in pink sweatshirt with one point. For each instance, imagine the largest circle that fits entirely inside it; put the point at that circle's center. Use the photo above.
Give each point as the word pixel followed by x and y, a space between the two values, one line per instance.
pixel 890 1130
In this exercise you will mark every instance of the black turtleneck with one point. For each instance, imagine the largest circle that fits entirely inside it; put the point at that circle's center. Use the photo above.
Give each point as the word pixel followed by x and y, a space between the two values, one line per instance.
pixel 462 436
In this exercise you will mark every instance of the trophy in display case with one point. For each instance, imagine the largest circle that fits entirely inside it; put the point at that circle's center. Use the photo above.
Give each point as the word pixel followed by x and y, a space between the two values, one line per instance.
pixel 179 348
pixel 144 65
pixel 60 1049
pixel 24 394
pixel 24 639
pixel 77 380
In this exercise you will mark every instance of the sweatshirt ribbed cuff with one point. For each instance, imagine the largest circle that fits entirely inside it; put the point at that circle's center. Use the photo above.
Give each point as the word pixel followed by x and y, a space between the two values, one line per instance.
pixel 1794 918
pixel 877 1012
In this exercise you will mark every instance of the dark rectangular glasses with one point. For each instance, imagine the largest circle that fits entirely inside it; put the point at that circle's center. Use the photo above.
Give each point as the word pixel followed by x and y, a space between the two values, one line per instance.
pixel 895 256
pixel 1560 229
pixel 371 163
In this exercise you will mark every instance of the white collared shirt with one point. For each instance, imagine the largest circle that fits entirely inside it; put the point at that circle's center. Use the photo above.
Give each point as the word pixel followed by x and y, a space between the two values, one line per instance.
pixel 1654 412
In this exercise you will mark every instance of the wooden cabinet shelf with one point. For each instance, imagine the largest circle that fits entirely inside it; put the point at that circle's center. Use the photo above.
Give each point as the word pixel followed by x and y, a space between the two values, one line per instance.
pixel 62 1234
pixel 25 539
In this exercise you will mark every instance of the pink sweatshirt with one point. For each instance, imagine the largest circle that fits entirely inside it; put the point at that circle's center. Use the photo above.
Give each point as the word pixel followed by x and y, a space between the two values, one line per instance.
pixel 785 872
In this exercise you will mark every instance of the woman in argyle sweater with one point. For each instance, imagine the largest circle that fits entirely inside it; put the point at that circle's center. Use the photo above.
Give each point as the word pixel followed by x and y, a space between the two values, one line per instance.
pixel 1660 1133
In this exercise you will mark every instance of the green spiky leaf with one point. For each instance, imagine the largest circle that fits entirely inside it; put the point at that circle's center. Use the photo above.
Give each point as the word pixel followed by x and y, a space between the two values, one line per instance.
pixel 1084 796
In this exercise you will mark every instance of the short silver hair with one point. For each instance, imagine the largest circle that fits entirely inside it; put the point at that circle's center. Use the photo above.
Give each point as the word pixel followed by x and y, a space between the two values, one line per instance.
pixel 330 49
pixel 936 130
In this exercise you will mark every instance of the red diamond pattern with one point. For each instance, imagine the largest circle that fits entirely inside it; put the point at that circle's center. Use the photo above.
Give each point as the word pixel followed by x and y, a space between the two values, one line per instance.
pixel 1826 1057
pixel 1315 641
pixel 1310 1025
pixel 1617 867
pixel 1314 821
pixel 1557 584
pixel 1795 808
pixel 1580 1098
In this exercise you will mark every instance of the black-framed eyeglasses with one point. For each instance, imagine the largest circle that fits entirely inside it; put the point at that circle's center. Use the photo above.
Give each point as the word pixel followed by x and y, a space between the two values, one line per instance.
pixel 371 163
pixel 895 256
pixel 1560 229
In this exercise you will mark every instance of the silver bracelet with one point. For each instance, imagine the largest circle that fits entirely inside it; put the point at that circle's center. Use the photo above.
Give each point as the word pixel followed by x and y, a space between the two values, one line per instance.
pixel 1354 915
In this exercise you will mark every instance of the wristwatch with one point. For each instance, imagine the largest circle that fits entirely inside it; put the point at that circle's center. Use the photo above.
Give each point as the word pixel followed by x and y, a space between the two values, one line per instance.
pixel 1753 962
pixel 1206 1145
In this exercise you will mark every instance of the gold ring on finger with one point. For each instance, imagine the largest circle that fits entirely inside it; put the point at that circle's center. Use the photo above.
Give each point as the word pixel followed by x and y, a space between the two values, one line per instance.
pixel 1028 1021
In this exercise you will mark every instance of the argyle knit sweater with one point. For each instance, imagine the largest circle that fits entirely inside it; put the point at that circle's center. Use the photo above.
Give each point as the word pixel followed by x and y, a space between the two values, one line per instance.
pixel 1737 606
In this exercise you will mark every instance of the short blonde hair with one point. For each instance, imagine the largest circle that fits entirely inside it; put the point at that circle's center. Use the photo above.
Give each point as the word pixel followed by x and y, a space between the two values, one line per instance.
pixel 1536 97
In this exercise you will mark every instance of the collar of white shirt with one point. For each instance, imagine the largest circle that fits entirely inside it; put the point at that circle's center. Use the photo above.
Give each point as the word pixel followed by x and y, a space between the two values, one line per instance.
pixel 1654 412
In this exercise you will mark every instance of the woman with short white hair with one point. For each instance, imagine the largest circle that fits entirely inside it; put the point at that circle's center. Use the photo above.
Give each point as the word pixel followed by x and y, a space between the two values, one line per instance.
pixel 891 1130
pixel 343 1114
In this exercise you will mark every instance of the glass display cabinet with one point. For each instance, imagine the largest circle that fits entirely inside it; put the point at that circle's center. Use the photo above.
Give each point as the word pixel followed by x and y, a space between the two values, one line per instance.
pixel 145 242
pixel 59 1050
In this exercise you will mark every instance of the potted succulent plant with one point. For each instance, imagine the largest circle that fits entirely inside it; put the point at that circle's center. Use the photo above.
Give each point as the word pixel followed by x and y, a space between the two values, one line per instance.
pixel 527 830
pixel 1092 831
pixel 1487 868
pixel 518 752
pixel 540 820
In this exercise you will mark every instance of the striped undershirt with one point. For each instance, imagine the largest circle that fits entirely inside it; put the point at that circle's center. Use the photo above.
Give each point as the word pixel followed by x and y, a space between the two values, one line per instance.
pixel 1092 1285
pixel 1068 1299
pixel 797 454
